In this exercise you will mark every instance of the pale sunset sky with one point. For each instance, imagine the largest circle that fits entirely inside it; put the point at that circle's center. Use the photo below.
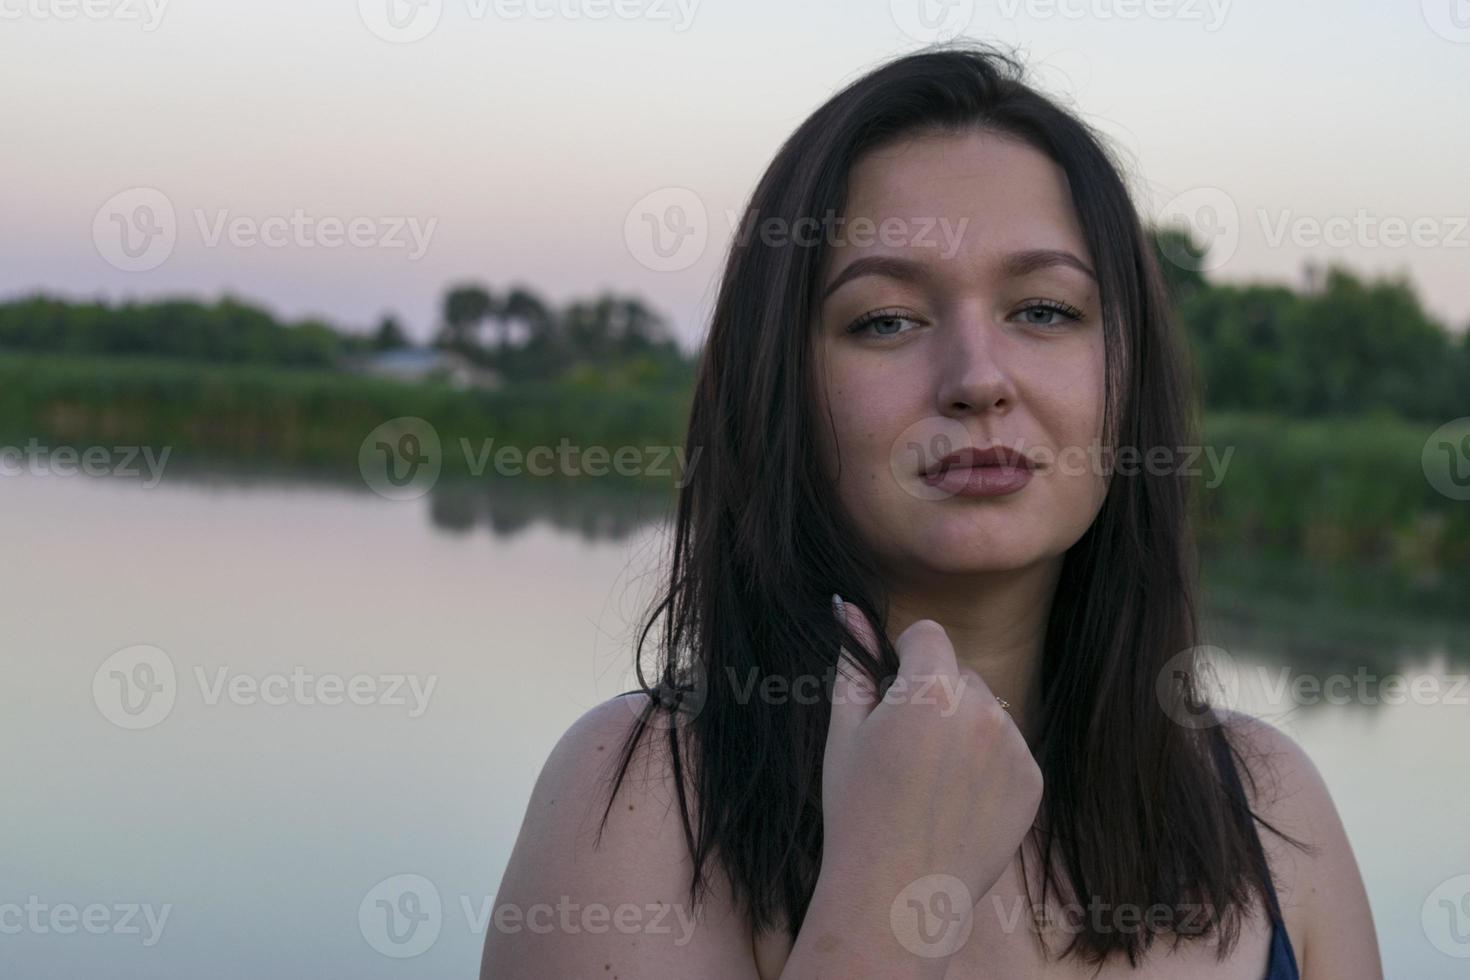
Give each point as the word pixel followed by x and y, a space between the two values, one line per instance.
pixel 514 141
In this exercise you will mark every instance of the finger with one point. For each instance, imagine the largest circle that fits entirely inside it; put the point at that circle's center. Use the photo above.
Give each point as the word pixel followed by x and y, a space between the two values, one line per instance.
pixel 925 653
pixel 853 694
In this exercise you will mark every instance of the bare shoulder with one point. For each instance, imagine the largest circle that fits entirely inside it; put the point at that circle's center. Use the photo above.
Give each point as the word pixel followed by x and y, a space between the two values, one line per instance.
pixel 580 898
pixel 1281 777
pixel 1320 888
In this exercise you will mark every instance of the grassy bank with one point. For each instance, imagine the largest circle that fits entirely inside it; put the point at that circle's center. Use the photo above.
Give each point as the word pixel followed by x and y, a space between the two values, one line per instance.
pixel 304 419
pixel 1331 490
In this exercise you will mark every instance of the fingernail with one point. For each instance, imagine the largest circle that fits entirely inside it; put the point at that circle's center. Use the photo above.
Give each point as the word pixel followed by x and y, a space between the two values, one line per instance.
pixel 837 608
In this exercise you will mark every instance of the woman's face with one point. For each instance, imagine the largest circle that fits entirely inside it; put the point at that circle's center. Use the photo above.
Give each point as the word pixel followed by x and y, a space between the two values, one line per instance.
pixel 988 332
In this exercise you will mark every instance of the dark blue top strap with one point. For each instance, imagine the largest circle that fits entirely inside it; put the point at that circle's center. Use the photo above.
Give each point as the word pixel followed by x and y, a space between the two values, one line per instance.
pixel 1282 964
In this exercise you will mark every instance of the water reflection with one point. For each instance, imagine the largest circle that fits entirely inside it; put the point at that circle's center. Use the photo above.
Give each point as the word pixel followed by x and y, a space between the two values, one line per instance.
pixel 1322 619
pixel 522 598
pixel 596 510
pixel 1333 620
pixel 608 508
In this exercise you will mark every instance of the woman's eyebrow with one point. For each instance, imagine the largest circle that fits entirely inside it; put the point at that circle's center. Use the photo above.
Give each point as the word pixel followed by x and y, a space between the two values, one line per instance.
pixel 1012 266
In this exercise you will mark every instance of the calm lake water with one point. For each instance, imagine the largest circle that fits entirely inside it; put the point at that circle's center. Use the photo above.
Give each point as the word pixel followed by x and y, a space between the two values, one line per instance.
pixel 259 729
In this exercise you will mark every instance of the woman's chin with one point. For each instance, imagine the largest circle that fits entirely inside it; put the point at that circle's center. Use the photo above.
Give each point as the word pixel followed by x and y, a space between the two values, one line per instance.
pixel 966 551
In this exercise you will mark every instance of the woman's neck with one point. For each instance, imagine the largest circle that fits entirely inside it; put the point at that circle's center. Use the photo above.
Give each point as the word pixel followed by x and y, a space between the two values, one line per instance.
pixel 997 623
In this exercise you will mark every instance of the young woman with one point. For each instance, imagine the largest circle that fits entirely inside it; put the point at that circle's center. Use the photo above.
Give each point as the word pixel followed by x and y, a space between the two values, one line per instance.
pixel 938 330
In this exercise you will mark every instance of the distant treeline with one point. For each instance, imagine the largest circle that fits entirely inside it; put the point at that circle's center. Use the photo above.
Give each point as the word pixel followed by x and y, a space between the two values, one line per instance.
pixel 1346 347
pixel 226 332
pixel 518 335
pixel 522 337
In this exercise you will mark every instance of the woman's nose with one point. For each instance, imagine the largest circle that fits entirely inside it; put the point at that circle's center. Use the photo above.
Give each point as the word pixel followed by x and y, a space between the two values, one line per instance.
pixel 972 376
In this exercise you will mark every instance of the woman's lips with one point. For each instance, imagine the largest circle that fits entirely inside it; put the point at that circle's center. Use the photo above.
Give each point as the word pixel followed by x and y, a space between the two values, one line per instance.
pixel 979 481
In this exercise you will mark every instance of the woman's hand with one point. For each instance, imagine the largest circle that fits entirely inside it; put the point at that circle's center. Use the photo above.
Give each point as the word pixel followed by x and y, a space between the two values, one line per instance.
pixel 934 779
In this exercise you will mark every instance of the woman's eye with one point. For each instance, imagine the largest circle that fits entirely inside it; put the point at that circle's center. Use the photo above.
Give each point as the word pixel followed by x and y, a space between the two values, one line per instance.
pixel 1048 314
pixel 1043 314
pixel 881 324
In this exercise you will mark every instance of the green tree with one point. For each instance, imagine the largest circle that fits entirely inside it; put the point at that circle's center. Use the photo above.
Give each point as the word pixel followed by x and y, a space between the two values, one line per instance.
pixel 389 335
pixel 465 309
pixel 1360 347
pixel 1180 261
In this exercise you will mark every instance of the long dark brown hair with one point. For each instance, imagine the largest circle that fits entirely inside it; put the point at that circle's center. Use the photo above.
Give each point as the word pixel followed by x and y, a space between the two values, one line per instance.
pixel 1136 810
